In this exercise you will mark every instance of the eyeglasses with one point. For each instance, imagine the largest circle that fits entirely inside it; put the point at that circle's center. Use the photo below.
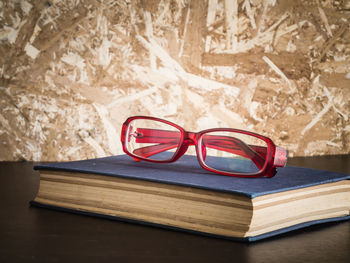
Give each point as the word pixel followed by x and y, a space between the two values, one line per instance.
pixel 223 151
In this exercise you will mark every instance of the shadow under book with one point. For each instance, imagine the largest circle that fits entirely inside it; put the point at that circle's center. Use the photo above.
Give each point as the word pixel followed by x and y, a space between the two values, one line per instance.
pixel 183 196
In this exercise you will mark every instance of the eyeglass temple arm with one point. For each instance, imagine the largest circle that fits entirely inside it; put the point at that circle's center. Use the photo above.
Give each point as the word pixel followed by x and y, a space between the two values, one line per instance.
pixel 148 151
pixel 169 139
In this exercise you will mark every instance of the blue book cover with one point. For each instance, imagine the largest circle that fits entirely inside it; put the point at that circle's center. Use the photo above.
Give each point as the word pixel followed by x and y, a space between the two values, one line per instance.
pixel 187 172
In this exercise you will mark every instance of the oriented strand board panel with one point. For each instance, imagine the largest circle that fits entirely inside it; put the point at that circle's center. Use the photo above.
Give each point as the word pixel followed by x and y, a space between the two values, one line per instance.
pixel 72 71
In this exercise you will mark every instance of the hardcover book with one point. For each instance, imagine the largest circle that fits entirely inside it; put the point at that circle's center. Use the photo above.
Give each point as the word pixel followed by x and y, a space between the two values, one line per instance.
pixel 183 196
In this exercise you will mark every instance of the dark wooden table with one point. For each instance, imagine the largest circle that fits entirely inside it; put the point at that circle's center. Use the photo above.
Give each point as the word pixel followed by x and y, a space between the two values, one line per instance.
pixel 39 235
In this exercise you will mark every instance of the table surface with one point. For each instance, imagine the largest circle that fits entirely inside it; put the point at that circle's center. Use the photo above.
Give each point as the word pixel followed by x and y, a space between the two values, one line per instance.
pixel 30 234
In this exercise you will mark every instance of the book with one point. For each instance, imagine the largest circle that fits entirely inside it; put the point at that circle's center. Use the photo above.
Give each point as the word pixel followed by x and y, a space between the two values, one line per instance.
pixel 184 196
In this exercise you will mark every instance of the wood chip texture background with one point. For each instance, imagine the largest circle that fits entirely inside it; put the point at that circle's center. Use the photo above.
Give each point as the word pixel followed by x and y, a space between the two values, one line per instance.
pixel 72 71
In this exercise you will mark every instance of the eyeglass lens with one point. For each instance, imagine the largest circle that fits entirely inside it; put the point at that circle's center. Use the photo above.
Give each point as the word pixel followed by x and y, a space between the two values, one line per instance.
pixel 152 139
pixel 233 152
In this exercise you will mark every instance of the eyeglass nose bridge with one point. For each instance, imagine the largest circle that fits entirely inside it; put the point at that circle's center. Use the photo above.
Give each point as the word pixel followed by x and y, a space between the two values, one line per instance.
pixel 190 138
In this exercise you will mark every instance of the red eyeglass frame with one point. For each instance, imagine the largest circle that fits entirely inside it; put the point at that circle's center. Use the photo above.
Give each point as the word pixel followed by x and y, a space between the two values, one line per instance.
pixel 275 156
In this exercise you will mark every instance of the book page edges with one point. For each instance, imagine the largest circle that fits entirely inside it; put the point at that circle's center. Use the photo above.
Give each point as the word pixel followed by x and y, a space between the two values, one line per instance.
pixel 176 206
pixel 255 221
pixel 299 206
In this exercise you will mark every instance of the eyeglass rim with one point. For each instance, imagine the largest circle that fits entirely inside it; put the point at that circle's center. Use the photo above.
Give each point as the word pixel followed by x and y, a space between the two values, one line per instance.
pixel 268 170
